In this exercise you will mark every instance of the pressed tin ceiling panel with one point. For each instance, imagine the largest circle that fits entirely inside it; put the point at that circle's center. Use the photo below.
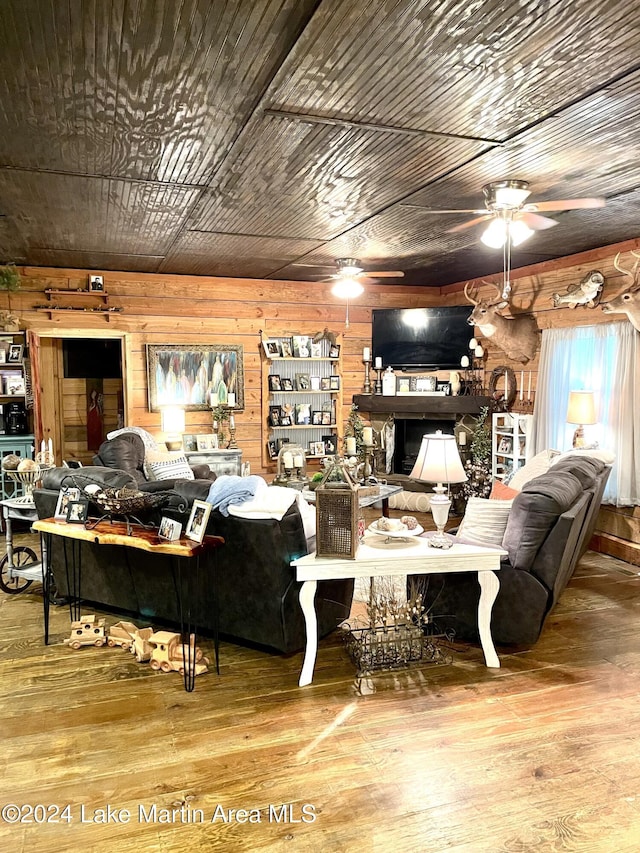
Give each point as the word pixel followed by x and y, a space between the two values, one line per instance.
pixel 266 138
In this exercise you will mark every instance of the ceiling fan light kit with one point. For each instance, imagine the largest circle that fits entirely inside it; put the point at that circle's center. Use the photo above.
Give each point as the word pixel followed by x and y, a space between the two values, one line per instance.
pixel 506 195
pixel 498 230
pixel 347 288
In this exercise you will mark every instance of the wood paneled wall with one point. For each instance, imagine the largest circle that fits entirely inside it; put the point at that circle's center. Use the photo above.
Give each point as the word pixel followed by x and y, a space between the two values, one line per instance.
pixel 160 309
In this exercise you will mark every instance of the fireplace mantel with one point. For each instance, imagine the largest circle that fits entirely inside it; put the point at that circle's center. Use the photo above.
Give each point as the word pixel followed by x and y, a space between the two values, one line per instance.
pixel 408 405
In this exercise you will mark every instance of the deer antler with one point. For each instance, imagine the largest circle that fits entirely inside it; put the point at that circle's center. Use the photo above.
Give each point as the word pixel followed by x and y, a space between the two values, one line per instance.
pixel 633 272
pixel 496 288
pixel 467 296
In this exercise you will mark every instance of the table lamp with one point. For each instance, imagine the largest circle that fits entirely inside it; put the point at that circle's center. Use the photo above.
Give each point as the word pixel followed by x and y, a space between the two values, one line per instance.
pixel 581 410
pixel 173 425
pixel 439 462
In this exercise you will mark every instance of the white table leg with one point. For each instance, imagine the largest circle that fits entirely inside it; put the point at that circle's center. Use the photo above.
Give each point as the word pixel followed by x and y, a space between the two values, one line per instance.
pixel 489 586
pixel 307 603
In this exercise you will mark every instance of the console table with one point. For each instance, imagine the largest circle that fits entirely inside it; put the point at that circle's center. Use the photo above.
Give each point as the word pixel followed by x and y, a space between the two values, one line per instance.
pixel 184 554
pixel 410 556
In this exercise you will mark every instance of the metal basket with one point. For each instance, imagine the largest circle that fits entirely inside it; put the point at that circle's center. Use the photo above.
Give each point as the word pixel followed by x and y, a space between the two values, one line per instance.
pixel 29 479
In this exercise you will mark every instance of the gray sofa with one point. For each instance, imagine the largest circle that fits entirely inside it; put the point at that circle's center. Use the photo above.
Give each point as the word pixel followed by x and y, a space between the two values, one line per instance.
pixel 257 589
pixel 549 528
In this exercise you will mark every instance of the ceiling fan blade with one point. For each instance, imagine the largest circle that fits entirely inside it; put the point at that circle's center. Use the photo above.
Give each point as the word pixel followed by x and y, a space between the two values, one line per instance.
pixel 383 274
pixel 457 209
pixel 468 224
pixel 536 222
pixel 569 204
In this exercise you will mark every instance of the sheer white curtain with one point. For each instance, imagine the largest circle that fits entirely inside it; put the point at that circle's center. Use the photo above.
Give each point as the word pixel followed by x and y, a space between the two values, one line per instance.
pixel 605 359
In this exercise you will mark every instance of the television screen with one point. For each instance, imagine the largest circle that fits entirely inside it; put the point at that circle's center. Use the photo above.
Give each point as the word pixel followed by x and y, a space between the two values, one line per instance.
pixel 421 338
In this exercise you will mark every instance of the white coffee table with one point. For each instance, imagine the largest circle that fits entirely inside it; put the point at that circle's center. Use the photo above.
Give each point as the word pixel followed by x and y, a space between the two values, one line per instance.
pixel 378 557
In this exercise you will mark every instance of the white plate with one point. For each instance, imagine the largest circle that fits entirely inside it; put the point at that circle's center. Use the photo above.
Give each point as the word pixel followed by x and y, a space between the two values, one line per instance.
pixel 396 534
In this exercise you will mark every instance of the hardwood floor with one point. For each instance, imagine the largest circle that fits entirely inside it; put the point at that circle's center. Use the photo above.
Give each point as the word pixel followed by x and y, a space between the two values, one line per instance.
pixel 541 755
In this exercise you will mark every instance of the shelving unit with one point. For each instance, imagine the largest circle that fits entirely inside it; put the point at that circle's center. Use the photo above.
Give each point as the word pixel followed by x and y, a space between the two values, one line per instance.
pixel 12 370
pixel 103 308
pixel 327 401
pixel 510 443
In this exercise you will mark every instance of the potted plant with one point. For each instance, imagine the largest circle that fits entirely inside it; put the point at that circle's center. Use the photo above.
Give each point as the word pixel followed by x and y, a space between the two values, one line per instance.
pixel 10 280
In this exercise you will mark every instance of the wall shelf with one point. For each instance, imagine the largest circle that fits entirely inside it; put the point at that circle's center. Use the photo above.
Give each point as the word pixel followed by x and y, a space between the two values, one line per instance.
pixel 408 404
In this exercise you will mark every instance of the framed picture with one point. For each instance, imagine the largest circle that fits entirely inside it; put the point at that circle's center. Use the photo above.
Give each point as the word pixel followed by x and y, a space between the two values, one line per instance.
pixel 303 382
pixel 96 284
pixel 330 444
pixel 425 383
pixel 286 420
pixel 403 385
pixel 285 348
pixel 271 348
pixel 316 350
pixel 206 441
pixel 326 418
pixel 77 511
pixel 334 351
pixel 325 383
pixel 14 386
pixel 443 386
pixel 68 494
pixel 189 442
pixel 505 445
pixel 303 413
pixel 169 529
pixel 275 383
pixel 315 383
pixel 194 377
pixel 316 418
pixel 15 354
pixel 272 449
pixel 275 416
pixel 334 383
pixel 198 519
pixel 3 355
pixel 316 448
pixel 301 346
pixel 281 442
pixel 287 383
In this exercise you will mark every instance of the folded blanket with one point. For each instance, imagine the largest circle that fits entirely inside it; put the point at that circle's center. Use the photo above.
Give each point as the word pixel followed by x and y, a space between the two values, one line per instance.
pixel 273 502
pixel 230 489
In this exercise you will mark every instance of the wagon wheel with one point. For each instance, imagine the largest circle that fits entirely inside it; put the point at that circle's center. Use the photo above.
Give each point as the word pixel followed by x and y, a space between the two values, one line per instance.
pixel 111 643
pixel 23 558
pixel 99 641
pixel 155 664
pixel 74 644
pixel 165 666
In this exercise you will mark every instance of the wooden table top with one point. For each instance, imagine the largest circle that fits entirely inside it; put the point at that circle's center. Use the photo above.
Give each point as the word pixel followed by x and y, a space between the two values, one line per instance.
pixel 115 533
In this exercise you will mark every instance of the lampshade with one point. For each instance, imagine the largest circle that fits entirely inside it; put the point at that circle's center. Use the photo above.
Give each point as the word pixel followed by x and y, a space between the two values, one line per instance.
pixel 173 419
pixel 347 288
pixel 438 460
pixel 495 235
pixel 581 408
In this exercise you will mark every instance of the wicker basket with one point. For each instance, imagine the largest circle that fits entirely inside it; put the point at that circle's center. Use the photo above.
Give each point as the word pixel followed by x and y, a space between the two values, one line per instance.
pixel 337 515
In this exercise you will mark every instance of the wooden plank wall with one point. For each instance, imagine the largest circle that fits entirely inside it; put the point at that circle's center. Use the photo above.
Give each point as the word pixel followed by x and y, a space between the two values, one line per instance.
pixel 176 309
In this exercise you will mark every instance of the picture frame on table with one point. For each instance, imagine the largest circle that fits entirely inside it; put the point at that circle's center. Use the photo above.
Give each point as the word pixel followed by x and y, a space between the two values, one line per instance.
pixel 303 382
pixel 334 351
pixel 275 383
pixel 15 354
pixel 66 495
pixel 77 511
pixel 275 416
pixel 197 524
pixel 316 350
pixel 189 442
pixel 169 529
pixel 301 345
pixel 286 383
pixel 271 348
pixel 285 348
pixel 330 444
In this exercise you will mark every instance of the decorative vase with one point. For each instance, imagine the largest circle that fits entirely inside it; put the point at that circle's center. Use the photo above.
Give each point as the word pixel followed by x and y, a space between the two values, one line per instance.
pixel 454 382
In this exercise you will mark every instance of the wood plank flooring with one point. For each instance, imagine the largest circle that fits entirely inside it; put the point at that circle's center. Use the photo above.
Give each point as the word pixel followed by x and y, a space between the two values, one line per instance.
pixel 541 755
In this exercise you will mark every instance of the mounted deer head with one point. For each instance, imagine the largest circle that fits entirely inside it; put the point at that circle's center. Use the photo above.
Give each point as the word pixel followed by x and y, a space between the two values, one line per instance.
pixel 627 302
pixel 517 337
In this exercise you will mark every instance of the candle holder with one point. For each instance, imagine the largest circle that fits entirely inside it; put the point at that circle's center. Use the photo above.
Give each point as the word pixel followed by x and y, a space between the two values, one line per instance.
pixel 367 468
pixel 233 445
pixel 378 382
pixel 366 388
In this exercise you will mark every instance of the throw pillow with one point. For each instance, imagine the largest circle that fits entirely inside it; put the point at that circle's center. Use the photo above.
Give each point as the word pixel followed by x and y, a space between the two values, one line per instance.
pixel 605 456
pixel 501 492
pixel 167 466
pixel 484 522
pixel 540 464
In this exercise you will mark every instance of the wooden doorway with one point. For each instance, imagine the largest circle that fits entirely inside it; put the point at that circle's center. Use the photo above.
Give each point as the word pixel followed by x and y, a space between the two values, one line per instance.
pixel 82 392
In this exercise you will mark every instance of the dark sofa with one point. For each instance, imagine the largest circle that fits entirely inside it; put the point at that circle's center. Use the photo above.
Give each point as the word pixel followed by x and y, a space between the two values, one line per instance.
pixel 549 528
pixel 258 593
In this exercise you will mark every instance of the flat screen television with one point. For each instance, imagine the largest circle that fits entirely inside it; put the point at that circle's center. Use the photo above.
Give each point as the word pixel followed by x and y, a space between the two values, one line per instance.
pixel 421 338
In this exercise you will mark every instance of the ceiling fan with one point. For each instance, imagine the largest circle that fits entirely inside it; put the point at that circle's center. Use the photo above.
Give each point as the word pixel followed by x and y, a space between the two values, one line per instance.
pixel 506 201
pixel 349 276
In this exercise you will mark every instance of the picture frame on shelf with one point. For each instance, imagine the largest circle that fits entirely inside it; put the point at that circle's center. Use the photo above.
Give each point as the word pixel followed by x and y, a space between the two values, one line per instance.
pixel 3 355
pixel 272 450
pixel 316 448
pixel 303 382
pixel 14 386
pixel 286 420
pixel 275 383
pixel 316 418
pixel 334 351
pixel 425 383
pixel 403 385
pixel 280 442
pixel 330 444
pixel 326 418
pixel 96 284
pixel 325 383
pixel 65 497
pixel 444 386
pixel 286 383
pixel 271 347
pixel 316 350
pixel 303 414
pixel 505 445
pixel 208 372
pixel 197 524
pixel 275 416
pixel 301 345
pixel 315 383
pixel 77 511
pixel 15 354
pixel 334 383
pixel 285 348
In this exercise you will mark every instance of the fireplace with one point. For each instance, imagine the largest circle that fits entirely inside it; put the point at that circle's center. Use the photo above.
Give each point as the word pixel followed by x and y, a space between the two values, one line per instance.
pixel 409 432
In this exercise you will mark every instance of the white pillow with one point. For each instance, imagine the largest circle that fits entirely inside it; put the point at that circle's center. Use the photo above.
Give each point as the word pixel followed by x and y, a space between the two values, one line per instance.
pixel 605 456
pixel 484 522
pixel 539 464
pixel 167 466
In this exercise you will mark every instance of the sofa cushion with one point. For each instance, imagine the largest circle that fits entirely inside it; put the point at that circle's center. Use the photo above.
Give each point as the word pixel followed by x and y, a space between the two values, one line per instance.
pixel 534 512
pixel 56 478
pixel 501 492
pixel 582 467
pixel 125 452
pixel 167 466
pixel 539 464
pixel 484 522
